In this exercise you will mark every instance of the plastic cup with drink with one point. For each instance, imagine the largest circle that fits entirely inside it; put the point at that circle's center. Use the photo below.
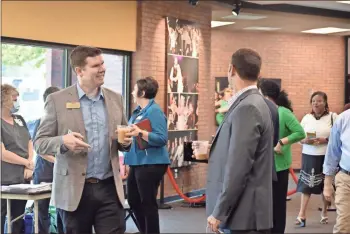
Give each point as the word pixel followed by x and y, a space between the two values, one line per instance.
pixel 200 149
pixel 122 131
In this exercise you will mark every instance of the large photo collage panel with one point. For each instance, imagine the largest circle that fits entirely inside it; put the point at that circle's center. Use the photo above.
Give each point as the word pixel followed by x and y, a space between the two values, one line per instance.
pixel 182 86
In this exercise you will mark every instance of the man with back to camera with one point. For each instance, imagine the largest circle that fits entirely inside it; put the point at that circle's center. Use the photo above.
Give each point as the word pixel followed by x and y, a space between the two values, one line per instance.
pixel 79 128
pixel 239 182
pixel 43 172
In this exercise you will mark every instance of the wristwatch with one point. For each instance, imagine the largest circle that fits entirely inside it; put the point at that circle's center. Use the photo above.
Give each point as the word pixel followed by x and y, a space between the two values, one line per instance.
pixel 281 143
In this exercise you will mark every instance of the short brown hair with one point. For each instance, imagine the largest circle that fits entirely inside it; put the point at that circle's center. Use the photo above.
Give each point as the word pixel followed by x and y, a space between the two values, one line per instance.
pixel 80 53
pixel 6 93
pixel 148 85
pixel 247 63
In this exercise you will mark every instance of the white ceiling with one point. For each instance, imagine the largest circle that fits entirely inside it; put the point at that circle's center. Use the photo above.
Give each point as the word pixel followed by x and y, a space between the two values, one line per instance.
pixel 331 5
pixel 253 19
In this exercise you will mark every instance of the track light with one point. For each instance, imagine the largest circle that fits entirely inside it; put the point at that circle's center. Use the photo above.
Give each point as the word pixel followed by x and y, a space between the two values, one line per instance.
pixel 193 2
pixel 236 8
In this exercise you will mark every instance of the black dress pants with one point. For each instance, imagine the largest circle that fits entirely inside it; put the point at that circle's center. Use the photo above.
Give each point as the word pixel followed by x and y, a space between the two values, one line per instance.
pixel 280 189
pixel 142 188
pixel 99 207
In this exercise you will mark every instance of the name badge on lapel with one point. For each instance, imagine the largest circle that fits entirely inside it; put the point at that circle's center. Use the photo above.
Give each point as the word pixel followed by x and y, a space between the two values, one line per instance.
pixel 73 105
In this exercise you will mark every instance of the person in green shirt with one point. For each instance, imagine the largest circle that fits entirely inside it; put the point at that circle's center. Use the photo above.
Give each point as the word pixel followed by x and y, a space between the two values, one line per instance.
pixel 290 131
pixel 223 106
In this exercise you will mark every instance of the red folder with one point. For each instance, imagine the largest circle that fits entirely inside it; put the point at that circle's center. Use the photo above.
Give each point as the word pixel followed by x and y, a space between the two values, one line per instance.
pixel 143 125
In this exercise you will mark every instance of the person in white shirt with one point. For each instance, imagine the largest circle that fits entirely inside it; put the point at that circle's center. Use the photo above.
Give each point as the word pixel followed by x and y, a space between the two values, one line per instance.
pixel 317 126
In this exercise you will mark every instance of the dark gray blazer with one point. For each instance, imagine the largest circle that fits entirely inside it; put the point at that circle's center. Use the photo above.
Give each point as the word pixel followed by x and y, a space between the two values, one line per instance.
pixel 276 128
pixel 239 183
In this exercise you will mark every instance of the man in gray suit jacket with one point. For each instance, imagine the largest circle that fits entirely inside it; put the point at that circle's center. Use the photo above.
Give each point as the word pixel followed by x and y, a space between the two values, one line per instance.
pixel 239 183
pixel 79 128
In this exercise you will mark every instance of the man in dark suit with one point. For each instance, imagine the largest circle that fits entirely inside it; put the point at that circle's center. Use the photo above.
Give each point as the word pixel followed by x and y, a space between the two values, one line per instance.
pixel 239 188
pixel 276 127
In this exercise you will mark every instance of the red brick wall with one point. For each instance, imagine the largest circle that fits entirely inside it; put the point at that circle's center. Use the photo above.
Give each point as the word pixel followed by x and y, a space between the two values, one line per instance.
pixel 150 60
pixel 305 63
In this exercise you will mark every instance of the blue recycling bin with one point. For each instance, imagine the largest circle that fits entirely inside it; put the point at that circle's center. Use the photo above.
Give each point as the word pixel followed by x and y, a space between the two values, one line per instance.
pixel 28 224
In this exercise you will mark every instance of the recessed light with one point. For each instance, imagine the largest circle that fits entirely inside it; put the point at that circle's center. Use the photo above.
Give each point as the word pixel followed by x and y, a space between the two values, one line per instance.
pixel 220 23
pixel 326 30
pixel 346 2
pixel 245 16
pixel 261 28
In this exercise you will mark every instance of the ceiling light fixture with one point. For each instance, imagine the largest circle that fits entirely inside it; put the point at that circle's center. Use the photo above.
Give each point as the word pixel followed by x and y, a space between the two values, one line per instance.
pixel 193 2
pixel 262 28
pixel 220 23
pixel 245 16
pixel 236 8
pixel 346 2
pixel 326 30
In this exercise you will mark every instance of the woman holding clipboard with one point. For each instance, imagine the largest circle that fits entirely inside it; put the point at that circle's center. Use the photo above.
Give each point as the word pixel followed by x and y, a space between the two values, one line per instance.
pixel 148 157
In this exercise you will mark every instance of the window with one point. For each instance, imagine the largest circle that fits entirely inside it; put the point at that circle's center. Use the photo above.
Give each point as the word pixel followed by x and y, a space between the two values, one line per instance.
pixel 31 69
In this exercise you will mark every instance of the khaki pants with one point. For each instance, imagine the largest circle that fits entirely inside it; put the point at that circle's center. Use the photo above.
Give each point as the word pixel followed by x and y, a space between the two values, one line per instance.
pixel 342 203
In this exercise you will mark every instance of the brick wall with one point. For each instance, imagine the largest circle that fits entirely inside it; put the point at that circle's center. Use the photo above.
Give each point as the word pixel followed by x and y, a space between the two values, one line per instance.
pixel 305 63
pixel 150 60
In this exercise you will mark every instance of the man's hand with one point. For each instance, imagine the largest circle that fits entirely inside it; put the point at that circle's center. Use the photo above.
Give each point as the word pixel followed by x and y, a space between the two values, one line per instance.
pixel 328 189
pixel 213 223
pixel 127 136
pixel 74 142
pixel 28 174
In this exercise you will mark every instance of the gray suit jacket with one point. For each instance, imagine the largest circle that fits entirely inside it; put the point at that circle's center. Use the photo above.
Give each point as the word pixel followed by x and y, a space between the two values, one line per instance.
pixel 70 168
pixel 239 183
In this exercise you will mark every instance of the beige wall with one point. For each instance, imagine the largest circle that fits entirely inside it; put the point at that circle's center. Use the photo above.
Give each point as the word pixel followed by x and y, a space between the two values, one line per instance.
pixel 105 24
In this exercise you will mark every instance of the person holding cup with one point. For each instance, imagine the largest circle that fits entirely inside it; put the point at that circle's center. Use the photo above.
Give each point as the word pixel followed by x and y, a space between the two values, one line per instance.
pixel 79 129
pixel 147 166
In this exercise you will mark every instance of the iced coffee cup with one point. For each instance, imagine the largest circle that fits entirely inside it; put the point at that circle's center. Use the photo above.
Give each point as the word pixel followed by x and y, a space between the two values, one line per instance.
pixel 200 149
pixel 122 130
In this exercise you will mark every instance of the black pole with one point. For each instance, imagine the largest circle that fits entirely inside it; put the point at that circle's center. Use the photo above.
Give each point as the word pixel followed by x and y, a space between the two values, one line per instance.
pixel 161 204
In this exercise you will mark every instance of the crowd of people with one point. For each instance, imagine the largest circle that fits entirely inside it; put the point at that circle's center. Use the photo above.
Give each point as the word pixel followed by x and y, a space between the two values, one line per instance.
pixel 248 187
pixel 84 128
pixel 78 142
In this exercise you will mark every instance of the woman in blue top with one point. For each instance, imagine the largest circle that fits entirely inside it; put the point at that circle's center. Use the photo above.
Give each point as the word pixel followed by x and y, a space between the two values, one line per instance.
pixel 147 166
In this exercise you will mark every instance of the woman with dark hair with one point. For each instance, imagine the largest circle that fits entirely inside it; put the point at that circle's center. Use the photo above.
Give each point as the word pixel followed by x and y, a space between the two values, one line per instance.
pixel 290 131
pixel 147 166
pixel 317 126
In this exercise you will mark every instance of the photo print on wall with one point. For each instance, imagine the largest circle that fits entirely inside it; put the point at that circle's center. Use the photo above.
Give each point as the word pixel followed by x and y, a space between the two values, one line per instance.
pixel 182 86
